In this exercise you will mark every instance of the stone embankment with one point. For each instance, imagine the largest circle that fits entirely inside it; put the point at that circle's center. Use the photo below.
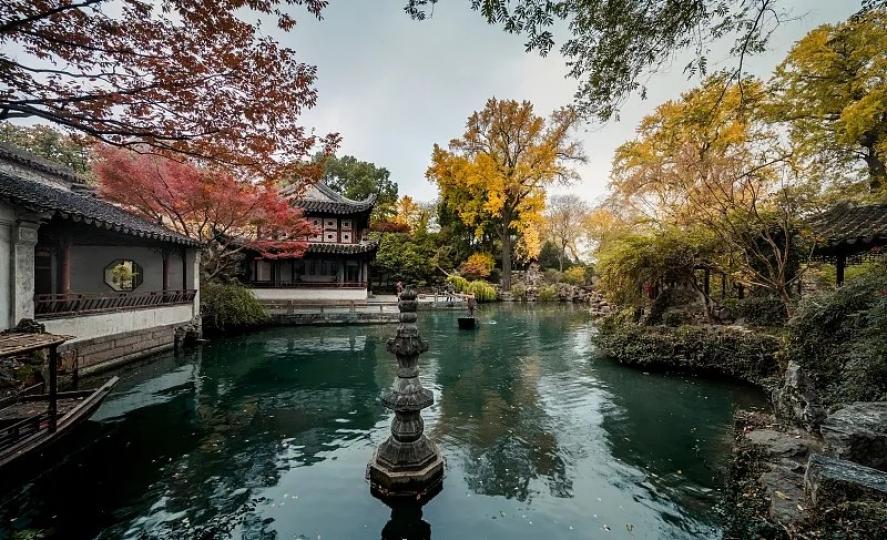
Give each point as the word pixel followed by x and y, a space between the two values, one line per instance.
pixel 788 482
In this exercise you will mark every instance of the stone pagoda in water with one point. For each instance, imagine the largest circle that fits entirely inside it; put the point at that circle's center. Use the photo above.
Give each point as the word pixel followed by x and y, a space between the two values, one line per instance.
pixel 407 464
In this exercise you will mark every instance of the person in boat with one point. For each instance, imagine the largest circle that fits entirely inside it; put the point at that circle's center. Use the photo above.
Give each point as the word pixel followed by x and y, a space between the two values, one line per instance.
pixel 472 303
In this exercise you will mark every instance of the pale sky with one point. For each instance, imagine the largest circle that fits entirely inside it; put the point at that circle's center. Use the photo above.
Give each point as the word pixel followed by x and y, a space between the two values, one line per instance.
pixel 392 87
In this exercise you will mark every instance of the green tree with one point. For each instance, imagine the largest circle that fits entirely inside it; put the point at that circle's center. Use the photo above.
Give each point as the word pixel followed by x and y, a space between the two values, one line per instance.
pixel 550 255
pixel 49 143
pixel 832 90
pixel 411 259
pixel 627 266
pixel 614 45
pixel 359 179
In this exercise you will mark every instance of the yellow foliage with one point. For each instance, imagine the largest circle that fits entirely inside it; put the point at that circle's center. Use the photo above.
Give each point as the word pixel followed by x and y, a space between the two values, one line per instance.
pixel 497 172
pixel 832 89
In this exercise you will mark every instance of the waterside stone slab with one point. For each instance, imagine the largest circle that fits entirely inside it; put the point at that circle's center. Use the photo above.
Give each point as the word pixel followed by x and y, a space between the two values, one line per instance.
pixel 858 432
pixel 830 481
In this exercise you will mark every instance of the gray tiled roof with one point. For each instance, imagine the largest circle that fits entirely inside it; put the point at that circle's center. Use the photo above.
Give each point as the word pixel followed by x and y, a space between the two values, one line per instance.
pixel 322 199
pixel 81 207
pixel 851 228
pixel 342 249
pixel 19 155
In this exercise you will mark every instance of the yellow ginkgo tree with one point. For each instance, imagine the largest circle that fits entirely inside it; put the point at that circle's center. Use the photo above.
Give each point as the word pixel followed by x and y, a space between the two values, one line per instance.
pixel 832 91
pixel 498 171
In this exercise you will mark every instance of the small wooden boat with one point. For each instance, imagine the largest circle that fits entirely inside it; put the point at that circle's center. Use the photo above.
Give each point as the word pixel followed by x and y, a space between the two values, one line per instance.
pixel 32 420
pixel 467 323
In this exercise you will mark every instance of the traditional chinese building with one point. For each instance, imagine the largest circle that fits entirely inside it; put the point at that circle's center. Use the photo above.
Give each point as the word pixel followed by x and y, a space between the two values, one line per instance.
pixel 848 234
pixel 83 267
pixel 336 265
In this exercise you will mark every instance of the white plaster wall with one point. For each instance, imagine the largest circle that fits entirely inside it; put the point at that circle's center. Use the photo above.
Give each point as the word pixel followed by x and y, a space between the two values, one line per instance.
pixel 7 222
pixel 88 268
pixel 305 293
pixel 107 324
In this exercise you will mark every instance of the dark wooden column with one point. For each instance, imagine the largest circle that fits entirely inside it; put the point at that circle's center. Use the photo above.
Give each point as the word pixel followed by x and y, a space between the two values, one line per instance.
pixel 165 277
pixel 64 262
pixel 840 263
pixel 53 386
pixel 184 269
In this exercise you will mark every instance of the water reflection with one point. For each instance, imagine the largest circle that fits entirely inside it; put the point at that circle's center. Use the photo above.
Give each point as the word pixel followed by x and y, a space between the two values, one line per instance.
pixel 268 436
pixel 406 521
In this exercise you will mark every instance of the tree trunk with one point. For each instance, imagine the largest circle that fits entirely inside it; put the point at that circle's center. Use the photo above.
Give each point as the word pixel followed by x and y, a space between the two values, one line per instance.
pixel 506 258
pixel 876 168
pixel 785 296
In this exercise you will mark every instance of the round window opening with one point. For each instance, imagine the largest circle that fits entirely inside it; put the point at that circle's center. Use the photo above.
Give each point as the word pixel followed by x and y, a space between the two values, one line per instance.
pixel 123 275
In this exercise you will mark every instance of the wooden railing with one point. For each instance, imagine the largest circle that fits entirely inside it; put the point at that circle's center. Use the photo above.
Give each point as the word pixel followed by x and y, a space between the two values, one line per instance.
pixel 309 285
pixel 73 304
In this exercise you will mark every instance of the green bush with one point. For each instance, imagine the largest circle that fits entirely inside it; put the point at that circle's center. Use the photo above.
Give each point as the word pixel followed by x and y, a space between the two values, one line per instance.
pixel 552 276
pixel 675 318
pixel 459 283
pixel 519 291
pixel 739 353
pixel 548 293
pixel 839 338
pixel 228 307
pixel 482 291
pixel 575 275
pixel 761 311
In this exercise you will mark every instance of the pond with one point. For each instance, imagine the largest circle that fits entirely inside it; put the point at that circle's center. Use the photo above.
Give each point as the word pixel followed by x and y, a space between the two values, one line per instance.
pixel 268 435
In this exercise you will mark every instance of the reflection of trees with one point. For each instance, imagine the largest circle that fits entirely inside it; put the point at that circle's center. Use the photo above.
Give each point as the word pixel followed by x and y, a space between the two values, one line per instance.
pixel 682 447
pixel 254 406
pixel 490 404
pixel 268 403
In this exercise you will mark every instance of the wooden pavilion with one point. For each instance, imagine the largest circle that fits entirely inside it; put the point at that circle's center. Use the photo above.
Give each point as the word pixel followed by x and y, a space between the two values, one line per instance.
pixel 848 234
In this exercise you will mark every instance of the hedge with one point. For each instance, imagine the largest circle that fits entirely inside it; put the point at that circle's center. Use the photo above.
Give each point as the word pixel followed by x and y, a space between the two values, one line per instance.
pixel 839 338
pixel 730 351
pixel 229 306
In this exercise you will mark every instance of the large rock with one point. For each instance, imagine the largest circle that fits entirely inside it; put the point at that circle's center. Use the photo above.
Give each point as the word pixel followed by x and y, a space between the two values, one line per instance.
pixel 797 401
pixel 830 481
pixel 858 432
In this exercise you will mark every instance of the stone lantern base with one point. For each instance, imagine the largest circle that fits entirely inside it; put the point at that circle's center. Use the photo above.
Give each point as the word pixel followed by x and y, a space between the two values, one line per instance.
pixel 394 483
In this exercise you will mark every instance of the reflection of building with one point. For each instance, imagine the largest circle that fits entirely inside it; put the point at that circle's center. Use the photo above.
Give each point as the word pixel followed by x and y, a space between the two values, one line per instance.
pixel 83 267
pixel 335 267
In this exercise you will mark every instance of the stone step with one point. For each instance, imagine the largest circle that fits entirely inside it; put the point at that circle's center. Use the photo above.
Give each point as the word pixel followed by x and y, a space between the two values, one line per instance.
pixel 858 432
pixel 830 481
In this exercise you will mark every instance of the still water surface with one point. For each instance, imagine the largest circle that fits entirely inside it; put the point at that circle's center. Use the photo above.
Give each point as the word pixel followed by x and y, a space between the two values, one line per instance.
pixel 269 433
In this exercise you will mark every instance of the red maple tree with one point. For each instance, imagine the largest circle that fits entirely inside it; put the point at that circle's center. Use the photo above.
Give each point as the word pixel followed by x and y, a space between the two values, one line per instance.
pixel 188 78
pixel 228 214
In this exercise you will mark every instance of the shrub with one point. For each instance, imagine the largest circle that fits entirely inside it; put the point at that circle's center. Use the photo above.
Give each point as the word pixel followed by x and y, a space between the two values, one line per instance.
pixel 735 352
pixel 228 307
pixel 482 291
pixel 575 275
pixel 552 276
pixel 459 283
pixel 548 293
pixel 477 265
pixel 675 318
pixel 839 338
pixel 761 311
pixel 519 291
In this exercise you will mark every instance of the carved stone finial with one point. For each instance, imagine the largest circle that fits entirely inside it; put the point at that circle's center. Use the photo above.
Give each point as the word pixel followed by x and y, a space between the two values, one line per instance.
pixel 407 464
